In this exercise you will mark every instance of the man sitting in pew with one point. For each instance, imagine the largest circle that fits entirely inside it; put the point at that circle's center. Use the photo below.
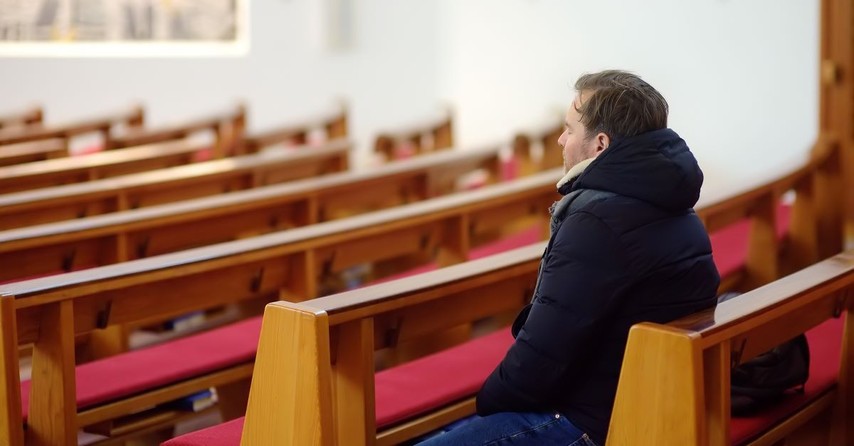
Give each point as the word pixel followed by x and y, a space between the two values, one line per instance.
pixel 625 247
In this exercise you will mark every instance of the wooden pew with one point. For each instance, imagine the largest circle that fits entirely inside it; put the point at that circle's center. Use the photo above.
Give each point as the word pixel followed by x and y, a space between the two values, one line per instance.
pixel 318 357
pixel 291 264
pixel 132 118
pixel 57 172
pixel 800 238
pixel 542 144
pixel 783 237
pixel 312 131
pixel 22 118
pixel 228 129
pixel 422 137
pixel 680 372
pixel 127 235
pixel 27 152
pixel 71 201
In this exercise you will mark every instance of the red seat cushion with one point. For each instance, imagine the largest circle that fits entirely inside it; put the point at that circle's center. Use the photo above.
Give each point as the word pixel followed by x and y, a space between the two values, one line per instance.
pixel 518 240
pixel 825 346
pixel 140 370
pixel 436 380
pixel 526 237
pixel 225 434
pixel 729 245
pixel 402 392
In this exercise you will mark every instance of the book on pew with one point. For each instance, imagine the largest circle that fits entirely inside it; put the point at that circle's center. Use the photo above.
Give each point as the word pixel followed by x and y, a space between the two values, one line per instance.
pixel 186 322
pixel 196 402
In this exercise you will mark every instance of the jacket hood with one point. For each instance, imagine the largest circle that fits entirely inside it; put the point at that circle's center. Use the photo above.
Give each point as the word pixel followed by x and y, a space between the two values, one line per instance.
pixel 656 167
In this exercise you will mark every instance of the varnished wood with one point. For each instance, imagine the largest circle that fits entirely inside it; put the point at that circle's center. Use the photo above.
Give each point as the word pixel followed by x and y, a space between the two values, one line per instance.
pixel 171 227
pixel 751 323
pixel 227 129
pixel 22 118
pixel 353 383
pixel 28 152
pixel 836 109
pixel 842 431
pixel 542 140
pixel 52 418
pixel 416 139
pixel 95 166
pixel 11 430
pixel 678 372
pixel 280 378
pixel 254 268
pixel 167 185
pixel 332 124
pixel 133 117
pixel 717 392
pixel 665 379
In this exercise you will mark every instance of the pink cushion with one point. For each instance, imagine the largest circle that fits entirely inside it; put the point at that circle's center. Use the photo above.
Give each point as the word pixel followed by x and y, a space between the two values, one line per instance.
pixel 518 240
pixel 225 434
pixel 527 237
pixel 729 245
pixel 205 154
pixel 146 369
pixel 439 379
pixel 88 150
pixel 402 392
pixel 825 346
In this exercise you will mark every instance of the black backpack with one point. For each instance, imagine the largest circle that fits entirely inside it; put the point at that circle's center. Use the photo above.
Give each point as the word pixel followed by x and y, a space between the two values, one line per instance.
pixel 767 378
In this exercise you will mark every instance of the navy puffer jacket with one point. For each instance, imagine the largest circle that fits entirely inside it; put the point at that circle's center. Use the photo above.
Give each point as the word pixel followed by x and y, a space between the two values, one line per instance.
pixel 636 253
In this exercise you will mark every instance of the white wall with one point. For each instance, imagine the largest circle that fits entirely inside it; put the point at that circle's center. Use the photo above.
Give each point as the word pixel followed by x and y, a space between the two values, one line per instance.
pixel 388 77
pixel 740 76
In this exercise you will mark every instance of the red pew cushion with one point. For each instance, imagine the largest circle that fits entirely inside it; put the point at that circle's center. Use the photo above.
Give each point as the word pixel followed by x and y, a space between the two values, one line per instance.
pixel 404 391
pixel 225 434
pixel 825 346
pixel 140 370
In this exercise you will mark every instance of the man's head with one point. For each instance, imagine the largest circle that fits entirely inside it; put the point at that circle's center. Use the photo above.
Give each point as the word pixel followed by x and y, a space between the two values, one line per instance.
pixel 609 105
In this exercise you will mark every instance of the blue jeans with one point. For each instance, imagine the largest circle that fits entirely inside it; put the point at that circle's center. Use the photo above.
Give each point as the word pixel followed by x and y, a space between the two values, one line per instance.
pixel 514 429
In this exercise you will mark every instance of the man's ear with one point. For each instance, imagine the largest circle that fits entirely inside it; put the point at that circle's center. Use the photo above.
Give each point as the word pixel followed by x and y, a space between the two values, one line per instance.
pixel 602 142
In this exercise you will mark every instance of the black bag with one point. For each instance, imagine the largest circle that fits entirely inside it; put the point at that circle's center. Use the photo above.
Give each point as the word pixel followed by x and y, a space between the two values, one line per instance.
pixel 765 379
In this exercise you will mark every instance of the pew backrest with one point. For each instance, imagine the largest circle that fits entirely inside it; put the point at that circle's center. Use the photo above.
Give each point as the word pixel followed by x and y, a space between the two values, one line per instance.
pixel 138 190
pixel 127 235
pixel 131 118
pixel 417 138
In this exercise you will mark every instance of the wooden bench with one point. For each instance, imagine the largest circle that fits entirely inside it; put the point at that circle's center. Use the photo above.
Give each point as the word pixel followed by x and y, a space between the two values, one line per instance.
pixel 22 118
pixel 315 130
pixel 415 139
pixel 121 236
pixel 315 383
pixel 783 230
pixel 227 128
pixel 291 264
pixel 132 118
pixel 27 152
pixel 69 170
pixel 542 143
pixel 72 201
pixel 680 372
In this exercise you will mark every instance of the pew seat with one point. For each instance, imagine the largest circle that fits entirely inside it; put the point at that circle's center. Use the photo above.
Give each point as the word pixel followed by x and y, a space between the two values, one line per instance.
pixel 457 373
pixel 454 374
pixel 825 342
pixel 144 370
